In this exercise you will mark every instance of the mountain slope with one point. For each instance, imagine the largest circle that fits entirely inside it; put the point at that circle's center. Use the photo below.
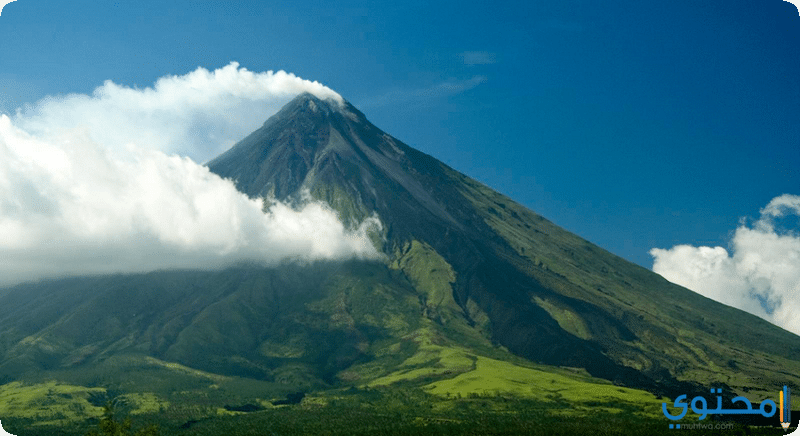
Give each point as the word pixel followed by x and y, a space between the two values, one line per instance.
pixel 549 295
pixel 477 295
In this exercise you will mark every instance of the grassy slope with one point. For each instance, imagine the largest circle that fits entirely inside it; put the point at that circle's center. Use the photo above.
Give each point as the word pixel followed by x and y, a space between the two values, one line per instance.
pixel 583 303
pixel 411 337
pixel 448 367
pixel 415 352
pixel 400 411
pixel 402 326
pixel 48 403
pixel 703 341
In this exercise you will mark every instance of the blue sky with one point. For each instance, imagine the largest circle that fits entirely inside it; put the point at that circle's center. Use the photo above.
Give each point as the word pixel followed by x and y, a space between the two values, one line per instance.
pixel 636 125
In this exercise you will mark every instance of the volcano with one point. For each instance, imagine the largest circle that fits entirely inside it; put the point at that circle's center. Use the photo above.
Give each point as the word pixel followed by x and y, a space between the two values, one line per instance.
pixel 529 286
pixel 475 293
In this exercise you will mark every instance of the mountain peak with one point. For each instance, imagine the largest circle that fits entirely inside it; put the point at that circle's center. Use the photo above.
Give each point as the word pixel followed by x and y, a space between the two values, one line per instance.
pixel 331 149
pixel 541 292
pixel 307 105
pixel 313 103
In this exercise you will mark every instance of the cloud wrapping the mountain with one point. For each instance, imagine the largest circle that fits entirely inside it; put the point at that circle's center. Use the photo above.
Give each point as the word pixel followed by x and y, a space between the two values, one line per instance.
pixel 199 114
pixel 760 275
pixel 92 185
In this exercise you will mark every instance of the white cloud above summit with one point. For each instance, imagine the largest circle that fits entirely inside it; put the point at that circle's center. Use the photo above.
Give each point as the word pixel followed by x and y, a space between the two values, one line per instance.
pixel 109 182
pixel 760 274
pixel 199 114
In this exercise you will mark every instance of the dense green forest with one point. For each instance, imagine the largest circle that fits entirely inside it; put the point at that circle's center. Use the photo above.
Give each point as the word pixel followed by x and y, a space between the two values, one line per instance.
pixel 387 412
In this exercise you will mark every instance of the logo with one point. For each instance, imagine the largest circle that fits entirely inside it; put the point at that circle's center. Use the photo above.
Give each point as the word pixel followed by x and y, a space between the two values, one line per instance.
pixel 786 408
pixel 767 408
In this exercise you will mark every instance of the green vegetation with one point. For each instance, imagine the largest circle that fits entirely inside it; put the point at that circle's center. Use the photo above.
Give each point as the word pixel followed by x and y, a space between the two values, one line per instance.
pixel 653 324
pixel 430 274
pixel 394 412
pixel 358 338
pixel 494 377
pixel 566 319
pixel 110 426
pixel 48 403
pixel 474 272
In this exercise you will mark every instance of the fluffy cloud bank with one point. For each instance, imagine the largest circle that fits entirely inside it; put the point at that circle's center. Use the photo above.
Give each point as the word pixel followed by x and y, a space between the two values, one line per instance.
pixel 199 114
pixel 97 184
pixel 760 275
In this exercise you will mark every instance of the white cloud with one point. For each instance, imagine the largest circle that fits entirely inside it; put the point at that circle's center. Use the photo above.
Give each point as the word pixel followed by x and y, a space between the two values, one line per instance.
pixel 199 114
pixel 761 275
pixel 91 184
